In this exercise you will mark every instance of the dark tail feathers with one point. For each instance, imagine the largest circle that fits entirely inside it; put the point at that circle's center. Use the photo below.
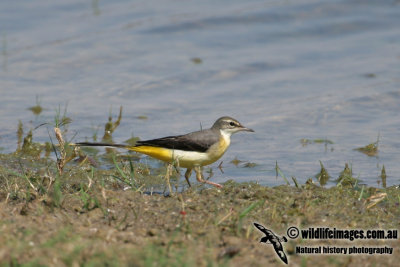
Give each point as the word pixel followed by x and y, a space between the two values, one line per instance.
pixel 101 144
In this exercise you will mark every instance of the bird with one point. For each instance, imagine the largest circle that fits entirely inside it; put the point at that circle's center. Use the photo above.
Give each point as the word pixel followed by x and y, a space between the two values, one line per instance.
pixel 271 238
pixel 191 151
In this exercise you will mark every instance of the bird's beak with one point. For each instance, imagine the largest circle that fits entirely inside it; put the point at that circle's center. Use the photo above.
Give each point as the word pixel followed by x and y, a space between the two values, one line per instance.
pixel 246 129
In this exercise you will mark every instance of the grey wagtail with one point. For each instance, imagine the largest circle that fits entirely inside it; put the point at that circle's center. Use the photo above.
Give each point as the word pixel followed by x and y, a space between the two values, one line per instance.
pixel 190 151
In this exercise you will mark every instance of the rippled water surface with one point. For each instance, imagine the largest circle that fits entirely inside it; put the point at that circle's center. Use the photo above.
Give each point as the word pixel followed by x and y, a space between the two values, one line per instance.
pixel 289 69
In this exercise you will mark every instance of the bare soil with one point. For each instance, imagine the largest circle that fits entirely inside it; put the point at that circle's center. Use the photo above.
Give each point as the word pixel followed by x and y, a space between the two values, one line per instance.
pixel 91 217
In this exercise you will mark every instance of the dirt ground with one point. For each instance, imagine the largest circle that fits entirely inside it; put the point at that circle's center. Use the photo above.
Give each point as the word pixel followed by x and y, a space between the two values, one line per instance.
pixel 90 216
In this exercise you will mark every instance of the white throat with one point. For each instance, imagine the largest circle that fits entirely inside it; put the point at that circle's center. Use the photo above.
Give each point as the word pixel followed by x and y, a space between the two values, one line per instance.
pixel 226 134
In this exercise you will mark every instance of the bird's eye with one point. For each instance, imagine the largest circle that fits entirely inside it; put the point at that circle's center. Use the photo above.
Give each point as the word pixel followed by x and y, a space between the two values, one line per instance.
pixel 232 124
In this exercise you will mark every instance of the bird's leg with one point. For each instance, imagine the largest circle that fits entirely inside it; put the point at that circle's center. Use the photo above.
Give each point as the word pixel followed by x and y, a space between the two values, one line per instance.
pixel 199 177
pixel 188 173
pixel 167 175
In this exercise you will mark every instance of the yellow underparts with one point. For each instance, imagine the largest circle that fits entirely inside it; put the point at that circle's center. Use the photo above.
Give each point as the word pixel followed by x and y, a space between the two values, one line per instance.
pixel 160 153
pixel 217 150
pixel 187 159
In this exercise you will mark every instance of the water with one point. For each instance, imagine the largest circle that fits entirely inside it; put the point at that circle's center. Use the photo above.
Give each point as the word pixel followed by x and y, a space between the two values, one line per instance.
pixel 288 69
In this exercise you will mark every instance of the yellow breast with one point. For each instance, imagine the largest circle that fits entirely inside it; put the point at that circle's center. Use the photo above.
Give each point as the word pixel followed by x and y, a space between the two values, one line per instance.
pixel 217 150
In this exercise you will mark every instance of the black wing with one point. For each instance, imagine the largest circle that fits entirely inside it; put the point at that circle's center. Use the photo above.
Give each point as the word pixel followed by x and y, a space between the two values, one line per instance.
pixel 279 250
pixel 261 228
pixel 197 141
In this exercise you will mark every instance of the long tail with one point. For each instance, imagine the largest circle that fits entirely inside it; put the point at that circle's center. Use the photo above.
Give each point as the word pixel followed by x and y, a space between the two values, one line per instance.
pixel 103 144
pixel 155 152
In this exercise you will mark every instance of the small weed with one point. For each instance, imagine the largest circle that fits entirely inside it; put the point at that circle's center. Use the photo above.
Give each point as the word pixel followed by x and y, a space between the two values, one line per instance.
pixel 383 176
pixel 66 152
pixel 244 164
pixel 325 141
pixel 20 134
pixel 249 165
pixel 89 202
pixel 37 109
pixel 61 120
pixel 132 141
pixel 346 177
pixel 142 117
pixel 110 126
pixel 196 60
pixel 245 212
pixel 25 177
pixel 29 147
pixel 126 178
pixel 295 182
pixel 236 161
pixel 56 194
pixel 371 149
pixel 323 176
pixel 279 172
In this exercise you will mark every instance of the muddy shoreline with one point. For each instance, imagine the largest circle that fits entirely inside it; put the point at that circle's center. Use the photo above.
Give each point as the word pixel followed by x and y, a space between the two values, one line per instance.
pixel 86 216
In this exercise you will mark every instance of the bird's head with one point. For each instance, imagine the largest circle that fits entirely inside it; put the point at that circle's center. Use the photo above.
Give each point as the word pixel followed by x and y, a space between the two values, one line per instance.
pixel 230 126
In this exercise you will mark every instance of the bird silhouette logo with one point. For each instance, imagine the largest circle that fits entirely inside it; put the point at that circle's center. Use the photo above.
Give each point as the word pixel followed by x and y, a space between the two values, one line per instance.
pixel 271 238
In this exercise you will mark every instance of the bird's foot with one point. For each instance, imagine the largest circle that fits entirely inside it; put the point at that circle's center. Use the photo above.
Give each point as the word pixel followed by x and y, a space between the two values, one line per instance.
pixel 199 177
pixel 214 184
pixel 209 182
